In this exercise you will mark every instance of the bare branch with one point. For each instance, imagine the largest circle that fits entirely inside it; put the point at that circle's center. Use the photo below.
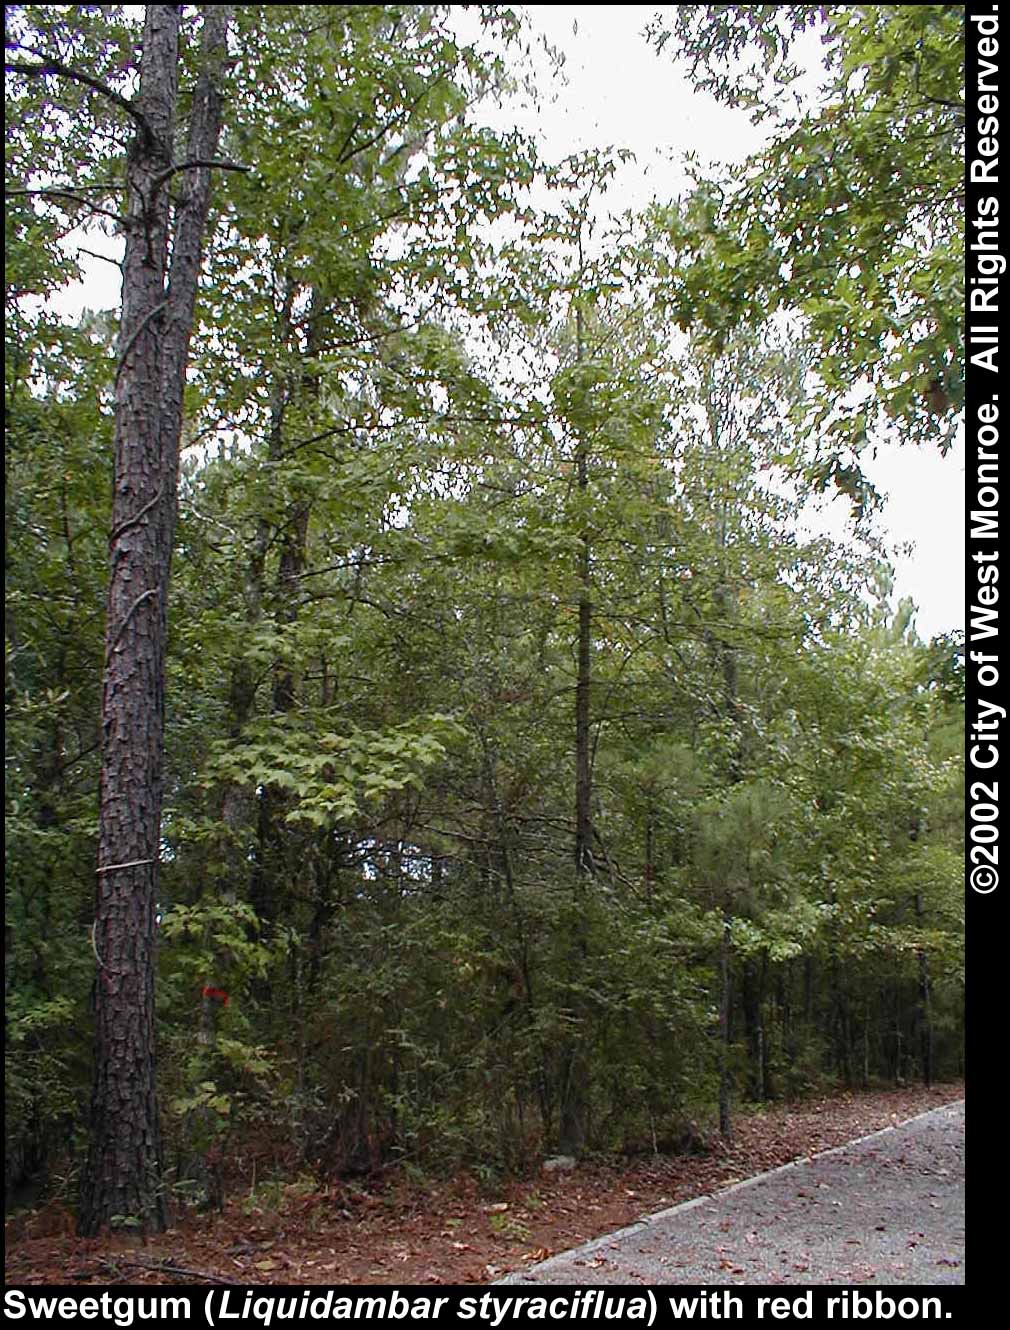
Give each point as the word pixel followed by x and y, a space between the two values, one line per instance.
pixel 57 69
pixel 71 197
pixel 93 254
pixel 212 163
pixel 103 187
pixel 112 1264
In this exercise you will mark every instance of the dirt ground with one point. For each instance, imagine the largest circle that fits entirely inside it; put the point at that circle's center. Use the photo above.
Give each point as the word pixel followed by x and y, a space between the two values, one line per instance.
pixel 454 1232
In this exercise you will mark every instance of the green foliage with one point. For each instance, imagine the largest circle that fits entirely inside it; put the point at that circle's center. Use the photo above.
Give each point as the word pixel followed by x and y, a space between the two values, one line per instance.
pixel 852 216
pixel 428 422
pixel 330 774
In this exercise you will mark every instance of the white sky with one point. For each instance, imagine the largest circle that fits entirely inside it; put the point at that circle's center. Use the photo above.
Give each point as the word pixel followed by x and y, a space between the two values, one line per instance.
pixel 619 93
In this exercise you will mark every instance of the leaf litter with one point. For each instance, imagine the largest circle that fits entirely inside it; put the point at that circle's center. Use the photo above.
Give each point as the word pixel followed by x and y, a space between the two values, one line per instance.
pixel 396 1230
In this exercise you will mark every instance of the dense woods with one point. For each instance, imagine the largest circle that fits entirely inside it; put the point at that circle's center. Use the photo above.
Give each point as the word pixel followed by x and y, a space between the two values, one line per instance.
pixel 531 779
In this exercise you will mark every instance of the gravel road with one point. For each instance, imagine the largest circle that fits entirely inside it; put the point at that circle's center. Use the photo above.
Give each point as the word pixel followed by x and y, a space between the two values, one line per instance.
pixel 886 1209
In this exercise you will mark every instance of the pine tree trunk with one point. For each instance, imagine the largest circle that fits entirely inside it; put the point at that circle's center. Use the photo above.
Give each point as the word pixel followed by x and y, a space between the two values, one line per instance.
pixel 122 1181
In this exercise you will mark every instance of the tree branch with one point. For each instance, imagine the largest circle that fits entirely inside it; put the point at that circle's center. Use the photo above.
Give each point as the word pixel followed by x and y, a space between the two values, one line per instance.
pixel 112 1264
pixel 352 150
pixel 159 180
pixel 72 198
pixel 93 254
pixel 57 69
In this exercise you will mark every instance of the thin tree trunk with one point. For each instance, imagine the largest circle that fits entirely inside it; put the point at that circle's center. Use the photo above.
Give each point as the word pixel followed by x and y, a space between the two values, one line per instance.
pixel 278 852
pixel 925 1014
pixel 726 662
pixel 493 800
pixel 650 846
pixel 752 996
pixel 574 1066
pixel 725 997
pixel 122 1180
pixel 583 755
pixel 840 1022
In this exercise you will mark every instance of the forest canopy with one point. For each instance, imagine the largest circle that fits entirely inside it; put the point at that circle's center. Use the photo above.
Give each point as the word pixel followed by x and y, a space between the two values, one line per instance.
pixel 409 611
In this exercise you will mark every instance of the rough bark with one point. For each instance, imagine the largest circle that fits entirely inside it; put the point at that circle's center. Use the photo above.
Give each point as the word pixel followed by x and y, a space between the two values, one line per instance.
pixel 122 1180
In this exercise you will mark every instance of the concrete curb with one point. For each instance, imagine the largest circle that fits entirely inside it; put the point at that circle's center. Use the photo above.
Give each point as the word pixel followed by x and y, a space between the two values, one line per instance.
pixel 641 1225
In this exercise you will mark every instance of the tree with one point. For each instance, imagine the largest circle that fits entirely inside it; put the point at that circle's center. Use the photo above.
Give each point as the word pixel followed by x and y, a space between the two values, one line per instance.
pixel 161 269
pixel 851 216
pixel 478 563
pixel 335 274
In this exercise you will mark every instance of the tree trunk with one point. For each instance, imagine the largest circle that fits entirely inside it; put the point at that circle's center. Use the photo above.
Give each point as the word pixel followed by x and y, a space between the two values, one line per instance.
pixel 122 1180
pixel 574 1067
pixel 650 850
pixel 278 852
pixel 924 1013
pixel 725 1072
pixel 841 1025
pixel 752 1000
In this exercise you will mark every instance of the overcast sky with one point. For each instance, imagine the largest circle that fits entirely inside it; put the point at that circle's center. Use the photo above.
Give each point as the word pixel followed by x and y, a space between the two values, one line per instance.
pixel 618 93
